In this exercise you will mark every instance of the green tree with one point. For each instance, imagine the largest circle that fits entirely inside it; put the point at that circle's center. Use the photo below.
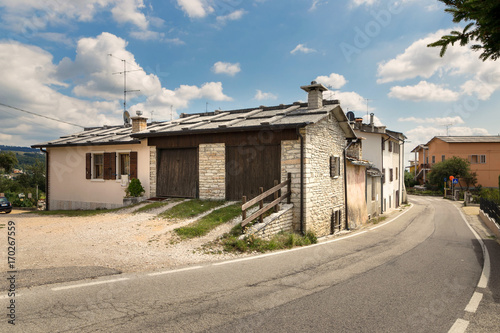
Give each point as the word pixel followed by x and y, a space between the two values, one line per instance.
pixel 7 161
pixel 483 29
pixel 456 167
pixel 409 179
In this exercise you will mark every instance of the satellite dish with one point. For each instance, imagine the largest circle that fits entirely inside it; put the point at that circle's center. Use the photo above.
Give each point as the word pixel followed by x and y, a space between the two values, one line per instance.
pixel 350 116
pixel 126 118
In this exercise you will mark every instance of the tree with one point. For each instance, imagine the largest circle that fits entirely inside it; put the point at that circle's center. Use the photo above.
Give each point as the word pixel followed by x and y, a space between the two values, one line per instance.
pixel 7 161
pixel 456 167
pixel 484 27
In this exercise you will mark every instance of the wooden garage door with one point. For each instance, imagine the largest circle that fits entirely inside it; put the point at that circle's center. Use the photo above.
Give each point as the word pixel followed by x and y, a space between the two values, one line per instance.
pixel 251 167
pixel 177 173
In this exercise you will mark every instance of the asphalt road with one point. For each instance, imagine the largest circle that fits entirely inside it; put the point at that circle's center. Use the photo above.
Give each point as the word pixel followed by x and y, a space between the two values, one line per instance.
pixel 416 273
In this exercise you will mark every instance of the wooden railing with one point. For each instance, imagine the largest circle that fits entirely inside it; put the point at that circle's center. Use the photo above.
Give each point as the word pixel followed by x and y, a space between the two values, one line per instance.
pixel 260 200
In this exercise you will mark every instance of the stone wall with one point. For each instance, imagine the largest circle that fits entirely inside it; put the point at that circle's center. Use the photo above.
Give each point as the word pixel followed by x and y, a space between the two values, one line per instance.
pixel 152 172
pixel 323 194
pixel 290 163
pixel 212 169
pixel 274 223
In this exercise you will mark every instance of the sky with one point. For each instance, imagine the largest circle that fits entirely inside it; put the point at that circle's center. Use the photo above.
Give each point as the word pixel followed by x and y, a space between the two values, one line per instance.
pixel 65 60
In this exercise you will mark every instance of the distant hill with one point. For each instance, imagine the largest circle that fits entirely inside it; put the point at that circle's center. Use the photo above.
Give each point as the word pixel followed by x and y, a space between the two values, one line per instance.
pixel 19 149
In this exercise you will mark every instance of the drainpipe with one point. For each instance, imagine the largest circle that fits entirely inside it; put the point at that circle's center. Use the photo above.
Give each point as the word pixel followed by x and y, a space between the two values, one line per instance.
pixel 350 142
pixel 301 180
pixel 46 178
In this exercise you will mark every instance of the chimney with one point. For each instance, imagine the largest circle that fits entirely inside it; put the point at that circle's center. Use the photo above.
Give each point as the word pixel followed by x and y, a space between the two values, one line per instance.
pixel 139 123
pixel 372 123
pixel 315 95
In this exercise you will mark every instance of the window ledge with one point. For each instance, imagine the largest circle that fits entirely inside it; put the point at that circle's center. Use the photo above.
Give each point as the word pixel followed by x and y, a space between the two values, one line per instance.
pixel 97 180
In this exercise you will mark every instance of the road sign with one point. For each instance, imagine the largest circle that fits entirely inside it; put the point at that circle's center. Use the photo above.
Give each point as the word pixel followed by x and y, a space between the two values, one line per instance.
pixel 455 181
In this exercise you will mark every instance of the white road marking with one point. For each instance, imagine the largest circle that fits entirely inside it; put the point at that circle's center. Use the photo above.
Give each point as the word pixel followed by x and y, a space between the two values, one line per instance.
pixel 176 271
pixel 474 302
pixel 460 326
pixel 88 284
pixel 485 274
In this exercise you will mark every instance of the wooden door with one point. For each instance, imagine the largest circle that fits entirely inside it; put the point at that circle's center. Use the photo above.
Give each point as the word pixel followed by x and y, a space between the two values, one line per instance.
pixel 177 173
pixel 251 167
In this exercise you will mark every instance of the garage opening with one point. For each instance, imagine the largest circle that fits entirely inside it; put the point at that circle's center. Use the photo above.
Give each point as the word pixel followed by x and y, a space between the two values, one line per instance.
pixel 177 173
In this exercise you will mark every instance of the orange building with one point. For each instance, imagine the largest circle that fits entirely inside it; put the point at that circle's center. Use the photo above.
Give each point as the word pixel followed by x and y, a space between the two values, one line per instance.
pixel 483 152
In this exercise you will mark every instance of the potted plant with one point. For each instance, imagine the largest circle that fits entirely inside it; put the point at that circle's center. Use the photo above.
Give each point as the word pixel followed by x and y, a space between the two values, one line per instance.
pixel 134 192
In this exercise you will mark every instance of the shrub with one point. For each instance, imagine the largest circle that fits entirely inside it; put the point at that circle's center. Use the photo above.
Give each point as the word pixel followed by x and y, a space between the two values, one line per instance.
pixel 134 188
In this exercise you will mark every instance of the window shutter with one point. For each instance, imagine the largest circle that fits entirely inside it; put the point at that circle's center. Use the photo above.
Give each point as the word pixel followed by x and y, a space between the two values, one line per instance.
pixel 383 144
pixel 133 164
pixel 332 166
pixel 88 166
pixel 337 173
pixel 109 166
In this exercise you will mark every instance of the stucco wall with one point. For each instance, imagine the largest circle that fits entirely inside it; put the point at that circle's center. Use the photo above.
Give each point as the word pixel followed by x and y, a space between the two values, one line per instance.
pixel 69 189
pixel 356 195
pixel 373 201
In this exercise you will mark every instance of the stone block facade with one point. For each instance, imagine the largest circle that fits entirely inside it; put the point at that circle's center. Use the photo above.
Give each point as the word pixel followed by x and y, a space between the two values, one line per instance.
pixel 322 194
pixel 281 221
pixel 212 171
pixel 152 171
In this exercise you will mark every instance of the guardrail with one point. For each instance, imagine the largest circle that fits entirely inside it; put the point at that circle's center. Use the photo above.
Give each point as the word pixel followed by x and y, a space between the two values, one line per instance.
pixel 260 200
pixel 491 208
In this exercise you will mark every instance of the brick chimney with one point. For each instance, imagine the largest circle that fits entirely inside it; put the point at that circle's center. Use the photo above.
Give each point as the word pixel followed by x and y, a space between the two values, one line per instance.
pixel 315 95
pixel 139 123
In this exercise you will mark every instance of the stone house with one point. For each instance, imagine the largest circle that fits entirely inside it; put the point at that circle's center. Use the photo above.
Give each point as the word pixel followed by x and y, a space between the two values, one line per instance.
pixel 214 155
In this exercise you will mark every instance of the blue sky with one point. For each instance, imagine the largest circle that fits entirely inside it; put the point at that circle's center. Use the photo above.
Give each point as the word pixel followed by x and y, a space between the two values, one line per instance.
pixel 191 55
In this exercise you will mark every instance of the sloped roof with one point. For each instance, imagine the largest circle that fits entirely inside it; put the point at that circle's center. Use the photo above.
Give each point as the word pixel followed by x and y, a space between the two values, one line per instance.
pixel 468 139
pixel 272 118
pixel 278 117
pixel 94 136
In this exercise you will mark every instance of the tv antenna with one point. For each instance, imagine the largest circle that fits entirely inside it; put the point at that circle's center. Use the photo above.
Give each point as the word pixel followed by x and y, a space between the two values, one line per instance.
pixel 447 128
pixel 367 114
pixel 124 72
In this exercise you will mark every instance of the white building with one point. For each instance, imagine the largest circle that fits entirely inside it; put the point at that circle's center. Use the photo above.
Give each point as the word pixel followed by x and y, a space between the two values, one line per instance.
pixel 385 150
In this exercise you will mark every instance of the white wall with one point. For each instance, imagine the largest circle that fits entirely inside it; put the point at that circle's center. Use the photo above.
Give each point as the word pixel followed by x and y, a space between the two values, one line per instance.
pixel 69 188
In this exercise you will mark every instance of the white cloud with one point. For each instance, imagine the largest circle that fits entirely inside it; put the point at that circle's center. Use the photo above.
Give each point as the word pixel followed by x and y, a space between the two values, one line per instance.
pixel 195 8
pixel 459 62
pixel 234 16
pixel 302 49
pixel 348 100
pixel 424 91
pixel 335 81
pixel 376 120
pixel 422 134
pixel 226 68
pixel 261 96
pixel 315 4
pixel 127 11
pixel 436 121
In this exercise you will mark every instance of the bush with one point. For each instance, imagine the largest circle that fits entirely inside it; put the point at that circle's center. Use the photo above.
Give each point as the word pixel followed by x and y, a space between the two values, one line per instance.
pixel 134 188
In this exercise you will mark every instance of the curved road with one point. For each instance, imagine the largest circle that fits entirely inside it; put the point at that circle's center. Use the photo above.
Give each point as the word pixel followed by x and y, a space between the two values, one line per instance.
pixel 416 273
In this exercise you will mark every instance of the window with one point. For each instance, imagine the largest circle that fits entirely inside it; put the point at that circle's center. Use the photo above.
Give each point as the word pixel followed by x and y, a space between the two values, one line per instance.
pixel 477 159
pixel 374 189
pixel 383 176
pixel 390 146
pixel 334 166
pixel 383 144
pixel 397 173
pixel 443 157
pixel 433 159
pixel 98 166
pixel 123 164
pixel 390 175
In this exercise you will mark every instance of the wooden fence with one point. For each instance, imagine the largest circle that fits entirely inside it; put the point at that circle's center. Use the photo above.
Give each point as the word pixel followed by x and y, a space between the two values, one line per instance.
pixel 276 190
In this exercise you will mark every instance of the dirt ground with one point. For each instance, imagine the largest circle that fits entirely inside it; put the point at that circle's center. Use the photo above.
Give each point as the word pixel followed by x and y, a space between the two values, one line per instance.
pixel 121 240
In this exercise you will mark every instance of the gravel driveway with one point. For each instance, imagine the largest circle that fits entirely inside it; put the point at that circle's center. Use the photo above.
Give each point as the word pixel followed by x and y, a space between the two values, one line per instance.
pixel 120 241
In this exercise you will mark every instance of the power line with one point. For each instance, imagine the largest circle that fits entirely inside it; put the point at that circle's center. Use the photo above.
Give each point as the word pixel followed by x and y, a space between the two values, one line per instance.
pixel 40 115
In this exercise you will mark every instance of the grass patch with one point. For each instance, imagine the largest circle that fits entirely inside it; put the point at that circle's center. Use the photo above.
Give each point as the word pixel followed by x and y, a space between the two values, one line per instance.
pixel 190 208
pixel 204 225
pixel 73 213
pixel 151 206
pixel 232 243
pixel 376 220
